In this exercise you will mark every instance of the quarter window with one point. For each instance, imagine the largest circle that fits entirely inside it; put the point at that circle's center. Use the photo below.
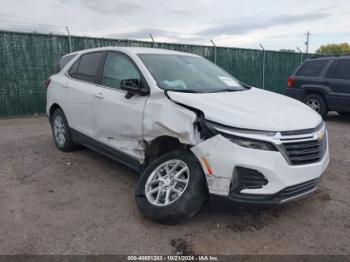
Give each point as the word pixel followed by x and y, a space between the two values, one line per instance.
pixel 118 67
pixel 343 70
pixel 86 67
pixel 312 68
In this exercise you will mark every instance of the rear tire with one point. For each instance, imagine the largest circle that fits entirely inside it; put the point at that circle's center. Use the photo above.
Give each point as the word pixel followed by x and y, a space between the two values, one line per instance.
pixel 184 199
pixel 317 103
pixel 61 131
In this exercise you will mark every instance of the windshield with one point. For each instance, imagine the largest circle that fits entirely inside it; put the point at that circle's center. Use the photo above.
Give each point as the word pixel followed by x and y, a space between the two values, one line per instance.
pixel 189 74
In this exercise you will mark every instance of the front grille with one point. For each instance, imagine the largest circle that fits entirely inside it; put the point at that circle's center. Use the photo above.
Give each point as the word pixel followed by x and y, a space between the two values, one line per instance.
pixel 298 189
pixel 305 152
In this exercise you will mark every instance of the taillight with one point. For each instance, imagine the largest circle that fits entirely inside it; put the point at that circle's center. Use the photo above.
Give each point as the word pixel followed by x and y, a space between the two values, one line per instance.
pixel 291 82
pixel 47 82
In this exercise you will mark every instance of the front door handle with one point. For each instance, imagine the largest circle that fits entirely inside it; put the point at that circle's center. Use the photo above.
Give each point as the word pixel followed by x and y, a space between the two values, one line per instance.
pixel 99 95
pixel 65 85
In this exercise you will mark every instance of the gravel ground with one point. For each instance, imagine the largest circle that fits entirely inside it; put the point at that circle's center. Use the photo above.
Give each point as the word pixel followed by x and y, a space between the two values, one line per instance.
pixel 82 203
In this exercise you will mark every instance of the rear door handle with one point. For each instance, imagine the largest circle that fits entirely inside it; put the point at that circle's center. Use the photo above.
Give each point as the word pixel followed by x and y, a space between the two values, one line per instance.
pixel 99 95
pixel 65 85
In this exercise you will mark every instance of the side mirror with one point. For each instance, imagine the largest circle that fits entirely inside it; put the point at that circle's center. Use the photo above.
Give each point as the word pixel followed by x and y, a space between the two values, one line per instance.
pixel 132 87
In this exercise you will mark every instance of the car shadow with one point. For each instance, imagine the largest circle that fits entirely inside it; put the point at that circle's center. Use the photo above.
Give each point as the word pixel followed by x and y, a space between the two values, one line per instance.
pixel 335 117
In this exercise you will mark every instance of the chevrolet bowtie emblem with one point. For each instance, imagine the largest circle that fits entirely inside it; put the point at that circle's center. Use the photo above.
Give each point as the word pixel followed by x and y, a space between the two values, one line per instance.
pixel 320 135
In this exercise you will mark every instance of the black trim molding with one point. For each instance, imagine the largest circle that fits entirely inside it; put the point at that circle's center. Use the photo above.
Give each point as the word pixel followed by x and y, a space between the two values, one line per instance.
pixel 101 148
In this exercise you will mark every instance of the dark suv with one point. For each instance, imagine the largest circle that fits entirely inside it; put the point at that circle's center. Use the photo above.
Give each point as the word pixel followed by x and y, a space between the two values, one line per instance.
pixel 323 84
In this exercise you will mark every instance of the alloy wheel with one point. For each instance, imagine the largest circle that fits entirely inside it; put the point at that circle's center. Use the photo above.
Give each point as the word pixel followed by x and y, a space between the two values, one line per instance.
pixel 314 104
pixel 59 130
pixel 167 182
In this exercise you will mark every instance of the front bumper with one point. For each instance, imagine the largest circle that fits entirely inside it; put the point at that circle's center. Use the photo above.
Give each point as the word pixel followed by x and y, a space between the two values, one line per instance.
pixel 285 181
pixel 288 194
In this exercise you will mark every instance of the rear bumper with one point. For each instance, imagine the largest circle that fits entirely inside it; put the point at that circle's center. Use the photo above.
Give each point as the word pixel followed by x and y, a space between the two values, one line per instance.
pixel 297 94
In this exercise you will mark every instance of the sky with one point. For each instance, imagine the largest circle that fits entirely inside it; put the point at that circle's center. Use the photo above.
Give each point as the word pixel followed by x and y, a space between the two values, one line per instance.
pixel 232 23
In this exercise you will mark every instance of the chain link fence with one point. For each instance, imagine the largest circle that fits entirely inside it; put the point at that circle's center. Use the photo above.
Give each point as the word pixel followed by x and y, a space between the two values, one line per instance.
pixel 28 59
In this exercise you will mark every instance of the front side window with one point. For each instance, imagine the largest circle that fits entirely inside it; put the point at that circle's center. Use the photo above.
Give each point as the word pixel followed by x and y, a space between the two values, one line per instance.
pixel 191 74
pixel 312 68
pixel 343 70
pixel 86 67
pixel 118 67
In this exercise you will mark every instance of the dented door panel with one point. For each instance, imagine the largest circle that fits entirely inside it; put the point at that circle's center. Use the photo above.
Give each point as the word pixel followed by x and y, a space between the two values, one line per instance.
pixel 118 121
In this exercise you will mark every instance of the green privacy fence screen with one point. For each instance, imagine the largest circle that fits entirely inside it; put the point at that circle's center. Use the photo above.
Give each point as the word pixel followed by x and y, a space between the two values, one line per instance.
pixel 28 59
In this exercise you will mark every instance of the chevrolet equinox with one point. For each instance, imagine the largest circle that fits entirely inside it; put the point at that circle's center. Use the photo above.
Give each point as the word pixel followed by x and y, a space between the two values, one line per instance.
pixel 191 129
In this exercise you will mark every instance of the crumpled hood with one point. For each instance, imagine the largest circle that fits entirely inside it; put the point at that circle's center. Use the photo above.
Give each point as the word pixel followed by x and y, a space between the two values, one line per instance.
pixel 251 109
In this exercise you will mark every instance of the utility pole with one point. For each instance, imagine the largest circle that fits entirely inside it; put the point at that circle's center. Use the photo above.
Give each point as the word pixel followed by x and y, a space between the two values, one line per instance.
pixel 263 65
pixel 69 40
pixel 301 55
pixel 154 43
pixel 307 43
pixel 211 40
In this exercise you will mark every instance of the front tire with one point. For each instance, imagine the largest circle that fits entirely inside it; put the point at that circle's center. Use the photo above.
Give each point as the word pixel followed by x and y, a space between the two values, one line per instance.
pixel 317 103
pixel 61 131
pixel 172 189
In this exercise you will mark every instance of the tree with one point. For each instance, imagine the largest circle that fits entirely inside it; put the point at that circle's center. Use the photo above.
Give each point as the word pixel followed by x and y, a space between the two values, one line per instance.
pixel 334 49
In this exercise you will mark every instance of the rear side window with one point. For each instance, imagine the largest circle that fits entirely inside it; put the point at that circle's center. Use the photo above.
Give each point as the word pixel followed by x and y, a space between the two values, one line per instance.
pixel 312 68
pixel 331 70
pixel 65 60
pixel 85 68
pixel 343 70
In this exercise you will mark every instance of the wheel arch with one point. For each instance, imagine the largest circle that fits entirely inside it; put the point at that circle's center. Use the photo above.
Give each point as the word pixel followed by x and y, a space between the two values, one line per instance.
pixel 166 144
pixel 162 145
pixel 316 89
pixel 52 109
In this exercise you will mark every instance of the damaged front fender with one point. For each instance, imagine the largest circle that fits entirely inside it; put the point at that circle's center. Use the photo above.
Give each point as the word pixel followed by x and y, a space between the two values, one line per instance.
pixel 162 117
pixel 215 156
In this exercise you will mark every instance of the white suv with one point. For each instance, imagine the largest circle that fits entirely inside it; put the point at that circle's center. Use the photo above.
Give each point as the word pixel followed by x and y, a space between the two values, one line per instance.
pixel 191 128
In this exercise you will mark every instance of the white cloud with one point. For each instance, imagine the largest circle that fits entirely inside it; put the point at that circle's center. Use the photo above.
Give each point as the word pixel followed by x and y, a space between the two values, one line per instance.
pixel 276 24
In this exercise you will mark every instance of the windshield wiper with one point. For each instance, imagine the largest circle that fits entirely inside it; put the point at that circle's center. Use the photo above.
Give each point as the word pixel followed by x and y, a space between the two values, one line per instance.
pixel 183 91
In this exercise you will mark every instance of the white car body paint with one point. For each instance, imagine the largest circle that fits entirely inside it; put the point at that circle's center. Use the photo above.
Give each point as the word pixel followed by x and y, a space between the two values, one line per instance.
pixel 223 156
pixel 251 109
pixel 116 128
pixel 126 124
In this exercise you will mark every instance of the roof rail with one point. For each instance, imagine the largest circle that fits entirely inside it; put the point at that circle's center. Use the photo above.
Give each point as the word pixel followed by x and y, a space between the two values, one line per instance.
pixel 329 56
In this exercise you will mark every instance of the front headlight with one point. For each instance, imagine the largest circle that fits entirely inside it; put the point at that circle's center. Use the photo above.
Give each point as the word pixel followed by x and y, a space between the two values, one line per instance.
pixel 215 128
pixel 251 143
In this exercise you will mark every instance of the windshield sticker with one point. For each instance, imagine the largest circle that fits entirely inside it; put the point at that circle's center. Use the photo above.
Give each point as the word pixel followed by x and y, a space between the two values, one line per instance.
pixel 228 80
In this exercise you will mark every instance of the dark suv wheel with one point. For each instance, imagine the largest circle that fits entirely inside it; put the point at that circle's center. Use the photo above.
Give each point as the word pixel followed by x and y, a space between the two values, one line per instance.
pixel 61 131
pixel 172 189
pixel 317 103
